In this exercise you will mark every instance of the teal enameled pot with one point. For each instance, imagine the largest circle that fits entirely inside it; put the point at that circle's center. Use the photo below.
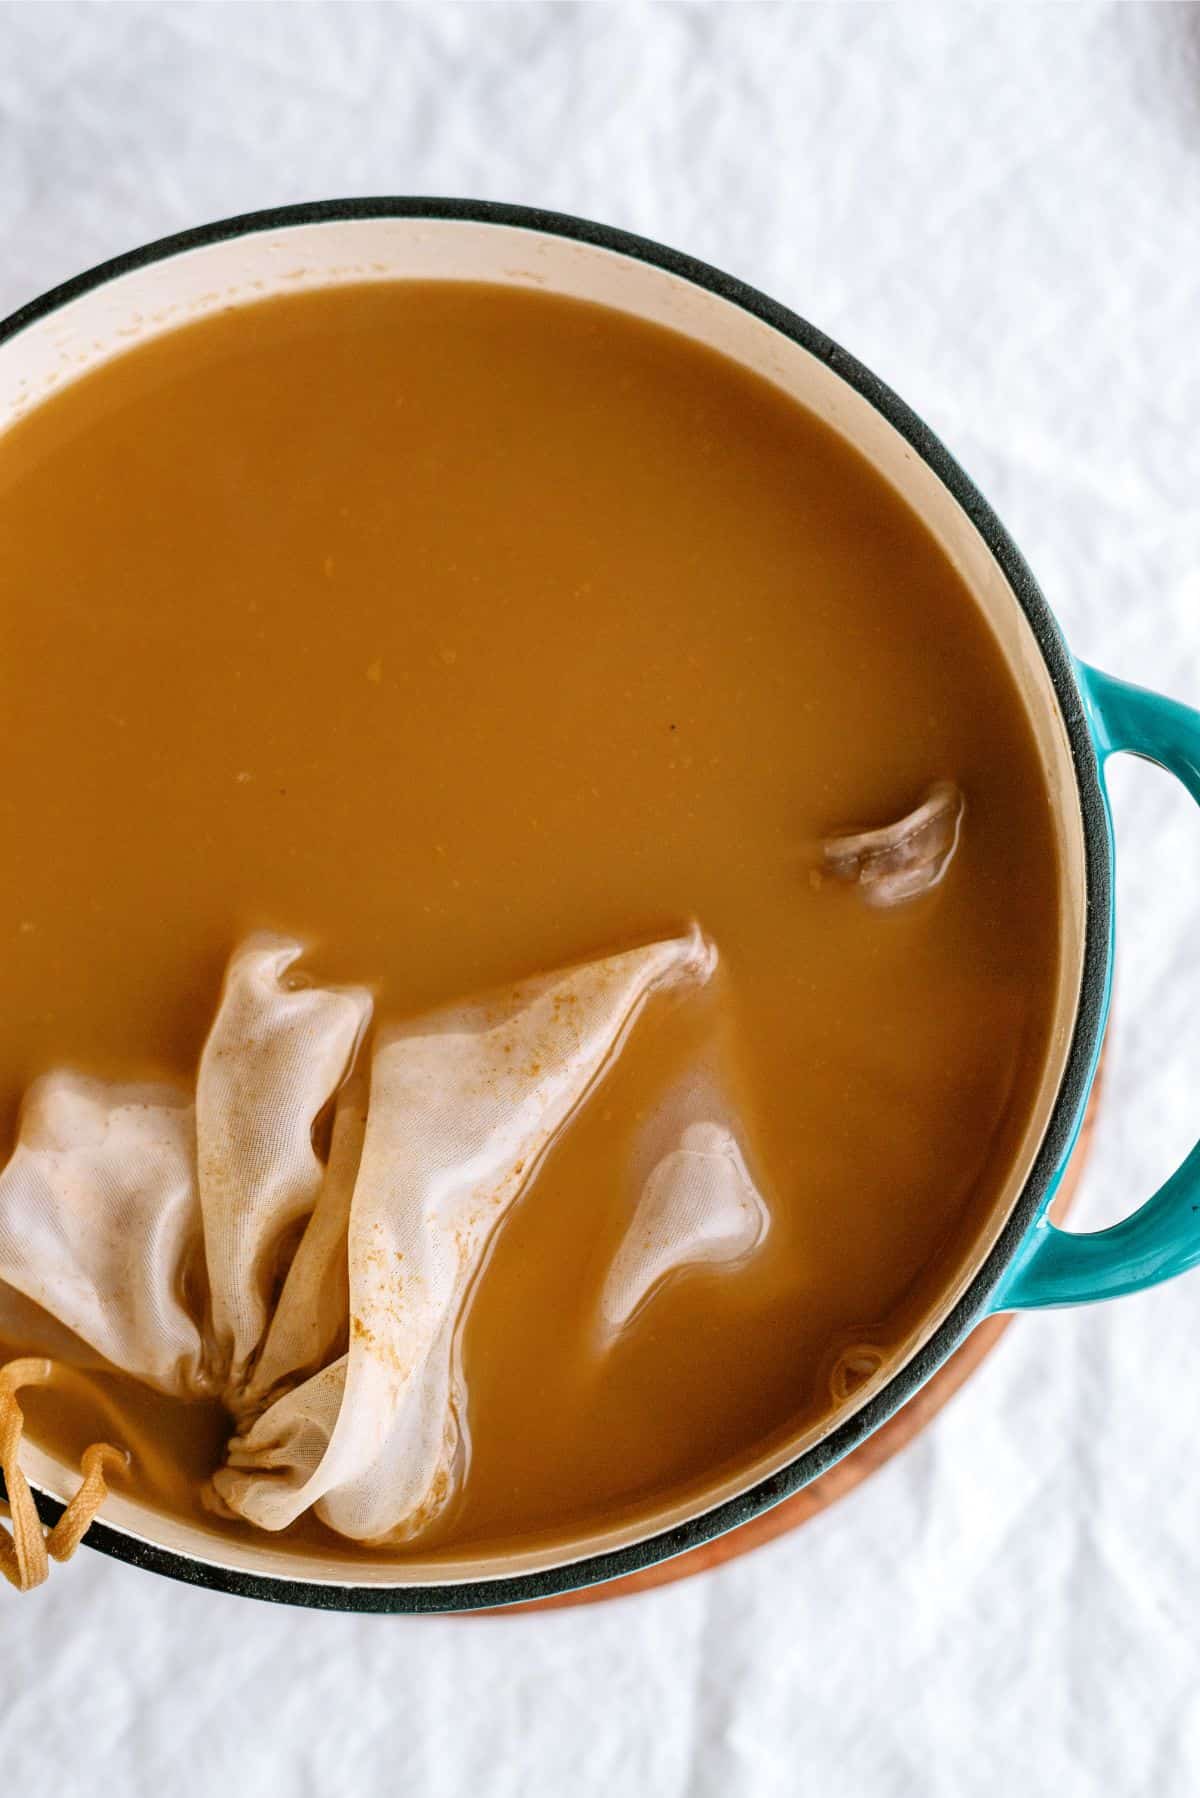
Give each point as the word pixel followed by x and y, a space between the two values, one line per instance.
pixel 1080 717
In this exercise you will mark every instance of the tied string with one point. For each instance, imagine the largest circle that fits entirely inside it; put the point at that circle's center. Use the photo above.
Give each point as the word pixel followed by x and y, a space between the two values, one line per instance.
pixel 25 1556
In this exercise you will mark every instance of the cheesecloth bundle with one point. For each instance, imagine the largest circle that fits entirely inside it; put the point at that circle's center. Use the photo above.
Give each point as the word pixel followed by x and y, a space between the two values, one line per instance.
pixel 198 1242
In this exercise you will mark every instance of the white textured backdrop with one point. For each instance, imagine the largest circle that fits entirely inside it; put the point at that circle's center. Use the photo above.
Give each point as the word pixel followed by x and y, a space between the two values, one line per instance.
pixel 997 209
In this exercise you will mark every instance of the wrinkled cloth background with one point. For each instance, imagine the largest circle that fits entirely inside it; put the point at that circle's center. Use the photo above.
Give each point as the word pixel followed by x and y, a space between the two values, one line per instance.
pixel 997 210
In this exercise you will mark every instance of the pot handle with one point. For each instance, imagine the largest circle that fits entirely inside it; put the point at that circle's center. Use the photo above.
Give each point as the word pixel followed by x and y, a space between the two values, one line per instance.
pixel 1068 1267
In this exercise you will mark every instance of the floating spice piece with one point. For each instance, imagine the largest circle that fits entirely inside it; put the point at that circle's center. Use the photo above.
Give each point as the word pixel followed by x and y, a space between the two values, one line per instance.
pixel 901 860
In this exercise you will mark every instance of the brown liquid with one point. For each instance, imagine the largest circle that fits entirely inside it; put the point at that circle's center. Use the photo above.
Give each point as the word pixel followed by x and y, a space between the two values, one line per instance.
pixel 466 632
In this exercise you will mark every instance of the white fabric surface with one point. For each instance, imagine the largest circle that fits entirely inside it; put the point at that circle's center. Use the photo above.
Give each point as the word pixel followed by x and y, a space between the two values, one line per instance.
pixel 997 210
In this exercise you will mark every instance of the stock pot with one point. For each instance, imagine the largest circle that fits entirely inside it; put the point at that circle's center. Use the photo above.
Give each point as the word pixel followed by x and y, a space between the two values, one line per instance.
pixel 1080 716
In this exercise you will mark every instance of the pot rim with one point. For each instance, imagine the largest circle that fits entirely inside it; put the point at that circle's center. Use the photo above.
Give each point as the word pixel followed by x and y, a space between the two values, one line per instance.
pixel 1089 1019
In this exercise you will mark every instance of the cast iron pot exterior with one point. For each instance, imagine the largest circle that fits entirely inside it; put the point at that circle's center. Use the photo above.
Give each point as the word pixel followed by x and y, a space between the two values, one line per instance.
pixel 1070 686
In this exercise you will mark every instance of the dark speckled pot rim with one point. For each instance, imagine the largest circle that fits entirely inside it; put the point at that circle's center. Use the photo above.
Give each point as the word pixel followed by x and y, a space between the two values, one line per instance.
pixel 1089 1018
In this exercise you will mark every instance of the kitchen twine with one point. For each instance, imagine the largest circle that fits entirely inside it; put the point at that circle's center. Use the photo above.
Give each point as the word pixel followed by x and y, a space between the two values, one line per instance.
pixel 25 1556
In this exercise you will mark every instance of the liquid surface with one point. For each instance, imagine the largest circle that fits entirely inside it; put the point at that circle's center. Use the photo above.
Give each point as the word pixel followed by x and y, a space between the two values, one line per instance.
pixel 466 633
